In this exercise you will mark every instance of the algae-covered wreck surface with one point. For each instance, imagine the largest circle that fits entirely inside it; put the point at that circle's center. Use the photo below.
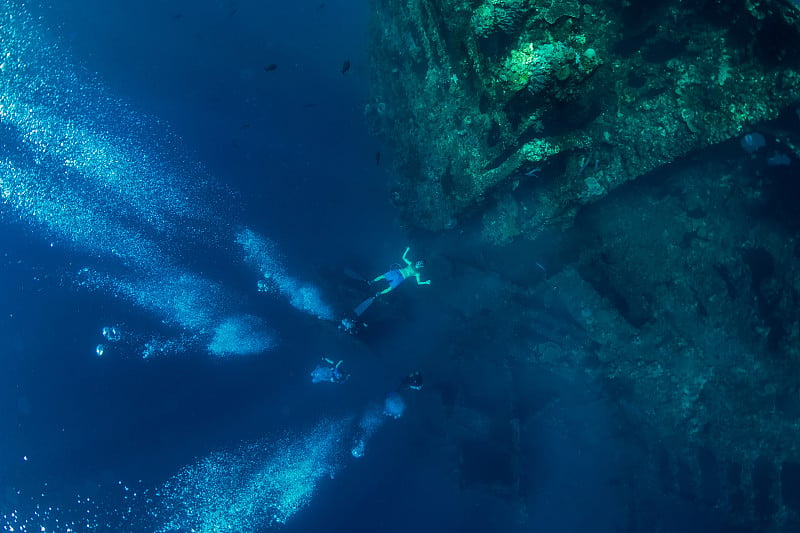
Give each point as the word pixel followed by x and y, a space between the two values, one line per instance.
pixel 559 102
pixel 626 172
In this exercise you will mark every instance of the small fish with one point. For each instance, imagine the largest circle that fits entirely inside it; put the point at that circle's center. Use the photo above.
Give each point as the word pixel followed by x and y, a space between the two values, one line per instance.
pixel 533 172
pixel 270 67
pixel 345 66
pixel 378 157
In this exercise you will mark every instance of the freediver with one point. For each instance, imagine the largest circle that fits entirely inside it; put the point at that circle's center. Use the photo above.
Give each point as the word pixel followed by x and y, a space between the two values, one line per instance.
pixel 394 277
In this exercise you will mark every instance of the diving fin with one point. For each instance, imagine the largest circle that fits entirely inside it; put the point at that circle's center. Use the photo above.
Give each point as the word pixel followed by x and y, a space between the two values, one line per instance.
pixel 363 306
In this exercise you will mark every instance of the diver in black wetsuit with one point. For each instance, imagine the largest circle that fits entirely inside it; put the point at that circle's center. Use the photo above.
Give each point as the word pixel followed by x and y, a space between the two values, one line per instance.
pixel 413 381
pixel 351 327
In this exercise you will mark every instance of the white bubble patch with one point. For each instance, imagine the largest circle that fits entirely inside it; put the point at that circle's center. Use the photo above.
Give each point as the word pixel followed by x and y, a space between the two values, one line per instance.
pixel 255 486
pixel 94 176
pixel 241 335
pixel 246 489
pixel 192 303
pixel 262 253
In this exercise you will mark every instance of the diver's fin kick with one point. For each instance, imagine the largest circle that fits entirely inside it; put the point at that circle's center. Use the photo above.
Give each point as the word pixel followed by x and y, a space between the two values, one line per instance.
pixel 363 306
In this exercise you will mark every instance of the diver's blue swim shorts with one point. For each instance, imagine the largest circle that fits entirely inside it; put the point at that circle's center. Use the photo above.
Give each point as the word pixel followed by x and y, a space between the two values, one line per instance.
pixel 394 277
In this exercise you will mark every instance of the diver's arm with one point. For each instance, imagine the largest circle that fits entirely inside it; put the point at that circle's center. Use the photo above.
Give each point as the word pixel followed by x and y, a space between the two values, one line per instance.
pixel 428 282
pixel 405 254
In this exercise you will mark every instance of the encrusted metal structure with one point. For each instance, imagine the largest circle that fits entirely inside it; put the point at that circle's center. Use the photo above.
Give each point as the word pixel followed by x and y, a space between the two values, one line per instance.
pixel 524 110
pixel 514 121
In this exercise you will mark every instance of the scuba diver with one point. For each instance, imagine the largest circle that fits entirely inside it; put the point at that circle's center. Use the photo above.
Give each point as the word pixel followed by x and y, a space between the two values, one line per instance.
pixel 394 277
pixel 329 371
pixel 351 327
pixel 395 405
pixel 413 381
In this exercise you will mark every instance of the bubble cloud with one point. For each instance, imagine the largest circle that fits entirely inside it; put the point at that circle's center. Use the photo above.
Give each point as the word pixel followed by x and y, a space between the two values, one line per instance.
pixel 255 486
pixel 94 176
pixel 262 254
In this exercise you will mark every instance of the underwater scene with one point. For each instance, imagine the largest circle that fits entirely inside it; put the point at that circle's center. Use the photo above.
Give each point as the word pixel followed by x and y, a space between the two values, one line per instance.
pixel 400 265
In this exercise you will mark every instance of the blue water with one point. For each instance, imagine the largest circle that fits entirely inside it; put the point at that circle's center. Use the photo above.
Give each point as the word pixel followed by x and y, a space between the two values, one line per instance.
pixel 120 440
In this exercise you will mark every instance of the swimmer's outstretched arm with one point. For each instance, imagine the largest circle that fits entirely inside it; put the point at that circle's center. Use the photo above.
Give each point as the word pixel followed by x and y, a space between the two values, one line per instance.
pixel 405 254
pixel 428 282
